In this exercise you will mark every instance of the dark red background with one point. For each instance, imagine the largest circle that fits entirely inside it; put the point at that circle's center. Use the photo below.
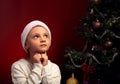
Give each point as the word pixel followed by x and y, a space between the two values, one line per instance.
pixel 61 16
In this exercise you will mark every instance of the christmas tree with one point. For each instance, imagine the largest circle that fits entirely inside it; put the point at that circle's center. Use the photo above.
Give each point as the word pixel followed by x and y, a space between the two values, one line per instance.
pixel 101 32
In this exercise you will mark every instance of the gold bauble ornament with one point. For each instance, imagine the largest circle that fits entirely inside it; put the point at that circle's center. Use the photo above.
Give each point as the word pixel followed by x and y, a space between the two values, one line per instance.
pixel 72 80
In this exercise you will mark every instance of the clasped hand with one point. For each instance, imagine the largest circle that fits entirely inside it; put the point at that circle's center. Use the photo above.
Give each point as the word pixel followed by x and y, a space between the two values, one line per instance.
pixel 40 58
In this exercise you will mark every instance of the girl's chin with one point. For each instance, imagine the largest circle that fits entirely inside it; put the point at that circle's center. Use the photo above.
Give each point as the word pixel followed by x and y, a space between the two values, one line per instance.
pixel 41 51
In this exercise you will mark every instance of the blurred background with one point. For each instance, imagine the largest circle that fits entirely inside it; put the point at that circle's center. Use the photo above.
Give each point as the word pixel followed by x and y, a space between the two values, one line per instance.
pixel 62 17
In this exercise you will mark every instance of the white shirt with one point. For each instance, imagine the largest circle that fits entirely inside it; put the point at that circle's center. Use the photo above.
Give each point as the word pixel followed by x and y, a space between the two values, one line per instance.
pixel 23 72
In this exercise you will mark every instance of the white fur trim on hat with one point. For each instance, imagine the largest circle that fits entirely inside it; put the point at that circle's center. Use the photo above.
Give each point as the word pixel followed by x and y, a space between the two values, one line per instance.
pixel 27 29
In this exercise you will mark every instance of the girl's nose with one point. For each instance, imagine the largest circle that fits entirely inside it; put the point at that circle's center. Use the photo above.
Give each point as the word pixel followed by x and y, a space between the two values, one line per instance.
pixel 42 39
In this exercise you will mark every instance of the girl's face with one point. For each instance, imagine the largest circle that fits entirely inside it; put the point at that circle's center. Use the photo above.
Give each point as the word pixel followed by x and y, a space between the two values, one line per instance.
pixel 38 40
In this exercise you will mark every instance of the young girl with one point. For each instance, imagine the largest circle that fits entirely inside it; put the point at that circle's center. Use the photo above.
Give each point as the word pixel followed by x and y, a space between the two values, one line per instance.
pixel 36 68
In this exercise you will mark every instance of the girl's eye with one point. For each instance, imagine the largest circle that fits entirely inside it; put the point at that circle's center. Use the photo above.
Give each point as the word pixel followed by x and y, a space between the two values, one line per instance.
pixel 46 35
pixel 36 36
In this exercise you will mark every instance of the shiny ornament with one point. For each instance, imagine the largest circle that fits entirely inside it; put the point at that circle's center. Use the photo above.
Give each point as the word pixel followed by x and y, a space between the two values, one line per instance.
pixel 96 1
pixel 72 80
pixel 108 43
pixel 96 24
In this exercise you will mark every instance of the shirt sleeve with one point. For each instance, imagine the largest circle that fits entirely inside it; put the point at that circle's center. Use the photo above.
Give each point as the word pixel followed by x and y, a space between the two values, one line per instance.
pixel 19 76
pixel 51 74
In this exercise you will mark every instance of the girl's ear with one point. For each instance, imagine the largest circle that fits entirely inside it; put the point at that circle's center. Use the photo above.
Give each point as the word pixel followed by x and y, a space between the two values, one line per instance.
pixel 26 45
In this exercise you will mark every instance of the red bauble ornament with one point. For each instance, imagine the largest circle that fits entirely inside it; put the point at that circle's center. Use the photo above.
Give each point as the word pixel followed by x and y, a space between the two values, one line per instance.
pixel 97 1
pixel 108 43
pixel 96 24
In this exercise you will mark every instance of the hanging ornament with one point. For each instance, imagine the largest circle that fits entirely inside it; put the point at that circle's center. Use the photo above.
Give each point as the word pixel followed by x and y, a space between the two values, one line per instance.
pixel 72 80
pixel 96 1
pixel 108 43
pixel 96 24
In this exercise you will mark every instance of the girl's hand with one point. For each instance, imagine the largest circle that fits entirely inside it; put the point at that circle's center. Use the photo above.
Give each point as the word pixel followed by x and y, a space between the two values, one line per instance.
pixel 44 59
pixel 36 58
pixel 40 58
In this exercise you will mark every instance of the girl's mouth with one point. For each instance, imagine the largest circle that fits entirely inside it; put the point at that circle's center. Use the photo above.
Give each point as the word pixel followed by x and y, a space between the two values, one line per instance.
pixel 43 45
